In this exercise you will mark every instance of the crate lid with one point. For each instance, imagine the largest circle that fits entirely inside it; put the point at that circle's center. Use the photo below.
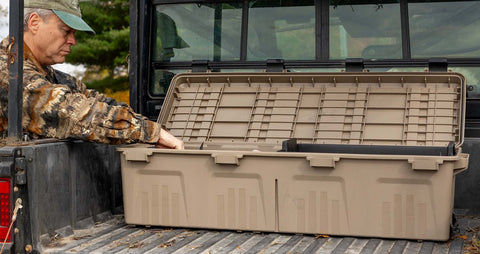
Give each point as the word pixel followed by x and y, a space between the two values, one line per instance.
pixel 417 109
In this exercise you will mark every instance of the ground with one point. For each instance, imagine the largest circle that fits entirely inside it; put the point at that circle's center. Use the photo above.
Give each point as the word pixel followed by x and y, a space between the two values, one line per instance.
pixel 468 227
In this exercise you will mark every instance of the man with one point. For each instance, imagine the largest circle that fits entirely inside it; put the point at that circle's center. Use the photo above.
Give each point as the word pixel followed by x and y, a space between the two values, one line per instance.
pixel 57 105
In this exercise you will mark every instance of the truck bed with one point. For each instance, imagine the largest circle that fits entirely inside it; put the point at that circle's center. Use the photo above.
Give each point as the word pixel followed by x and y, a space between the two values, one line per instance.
pixel 114 236
pixel 75 216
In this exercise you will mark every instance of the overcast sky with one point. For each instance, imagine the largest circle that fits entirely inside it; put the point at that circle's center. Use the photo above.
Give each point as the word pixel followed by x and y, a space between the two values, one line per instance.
pixel 68 68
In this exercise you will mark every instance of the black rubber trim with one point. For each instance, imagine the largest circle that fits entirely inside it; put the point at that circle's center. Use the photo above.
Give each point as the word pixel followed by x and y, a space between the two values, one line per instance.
pixel 291 145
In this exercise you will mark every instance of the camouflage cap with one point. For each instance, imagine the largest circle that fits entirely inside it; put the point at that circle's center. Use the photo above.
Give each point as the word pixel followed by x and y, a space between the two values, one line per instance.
pixel 67 10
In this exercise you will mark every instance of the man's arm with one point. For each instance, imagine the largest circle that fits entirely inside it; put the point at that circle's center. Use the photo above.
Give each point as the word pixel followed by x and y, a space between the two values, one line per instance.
pixel 78 86
pixel 53 110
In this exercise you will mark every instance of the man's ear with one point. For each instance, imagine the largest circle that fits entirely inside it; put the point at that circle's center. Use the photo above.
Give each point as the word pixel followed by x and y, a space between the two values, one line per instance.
pixel 33 22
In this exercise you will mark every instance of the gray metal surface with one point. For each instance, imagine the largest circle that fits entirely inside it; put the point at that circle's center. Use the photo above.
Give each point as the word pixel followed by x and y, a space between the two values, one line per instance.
pixel 71 186
pixel 116 237
pixel 98 189
pixel 95 188
pixel 15 68
pixel 467 183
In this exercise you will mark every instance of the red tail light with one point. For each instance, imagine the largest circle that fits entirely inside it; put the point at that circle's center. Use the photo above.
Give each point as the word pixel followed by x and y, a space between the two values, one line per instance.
pixel 4 208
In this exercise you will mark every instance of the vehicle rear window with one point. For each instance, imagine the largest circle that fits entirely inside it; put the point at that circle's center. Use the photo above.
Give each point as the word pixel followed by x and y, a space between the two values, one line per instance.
pixel 186 32
pixel 281 30
pixel 444 29
pixel 365 29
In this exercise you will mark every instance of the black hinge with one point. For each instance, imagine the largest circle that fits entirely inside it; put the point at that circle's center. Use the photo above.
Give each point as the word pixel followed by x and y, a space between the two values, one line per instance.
pixel 20 167
pixel 20 163
pixel 437 65
pixel 354 65
pixel 199 65
pixel 275 65
pixel 8 160
pixel 6 168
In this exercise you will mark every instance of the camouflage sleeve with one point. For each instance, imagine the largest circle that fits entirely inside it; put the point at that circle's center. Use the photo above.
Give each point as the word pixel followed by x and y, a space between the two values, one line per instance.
pixel 55 110
pixel 90 93
pixel 78 85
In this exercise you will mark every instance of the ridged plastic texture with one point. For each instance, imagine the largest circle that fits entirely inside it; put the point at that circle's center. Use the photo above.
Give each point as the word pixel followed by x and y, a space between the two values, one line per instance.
pixel 350 195
pixel 238 180
pixel 419 109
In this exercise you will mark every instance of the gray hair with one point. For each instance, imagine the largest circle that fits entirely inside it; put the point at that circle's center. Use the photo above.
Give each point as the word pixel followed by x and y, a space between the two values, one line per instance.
pixel 43 13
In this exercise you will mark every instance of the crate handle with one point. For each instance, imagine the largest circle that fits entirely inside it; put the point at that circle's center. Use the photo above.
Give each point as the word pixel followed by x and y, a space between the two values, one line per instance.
pixel 227 158
pixel 461 164
pixel 322 161
pixel 137 155
pixel 425 164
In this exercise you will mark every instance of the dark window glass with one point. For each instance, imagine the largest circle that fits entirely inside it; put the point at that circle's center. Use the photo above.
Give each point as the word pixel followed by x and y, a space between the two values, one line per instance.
pixel 472 76
pixel 281 30
pixel 365 29
pixel 161 79
pixel 186 32
pixel 444 29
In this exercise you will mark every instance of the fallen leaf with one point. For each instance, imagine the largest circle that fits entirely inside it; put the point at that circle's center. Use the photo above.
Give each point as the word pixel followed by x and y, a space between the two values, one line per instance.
pixel 195 247
pixel 139 234
pixel 166 244
pixel 321 236
pixel 464 237
pixel 80 237
pixel 136 244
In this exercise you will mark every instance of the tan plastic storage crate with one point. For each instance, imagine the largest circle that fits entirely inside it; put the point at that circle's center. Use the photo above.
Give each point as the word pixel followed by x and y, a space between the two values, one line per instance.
pixel 376 154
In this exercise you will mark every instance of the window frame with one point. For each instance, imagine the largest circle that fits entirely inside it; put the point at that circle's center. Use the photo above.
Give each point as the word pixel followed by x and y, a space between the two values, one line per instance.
pixel 322 45
pixel 142 66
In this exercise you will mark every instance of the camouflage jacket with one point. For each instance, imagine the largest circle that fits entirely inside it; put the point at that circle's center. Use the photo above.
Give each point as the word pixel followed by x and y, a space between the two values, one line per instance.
pixel 56 105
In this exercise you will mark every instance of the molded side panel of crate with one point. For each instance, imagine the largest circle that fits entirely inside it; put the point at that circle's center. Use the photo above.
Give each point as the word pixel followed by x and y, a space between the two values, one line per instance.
pixel 394 196
pixel 193 191
pixel 372 198
pixel 231 177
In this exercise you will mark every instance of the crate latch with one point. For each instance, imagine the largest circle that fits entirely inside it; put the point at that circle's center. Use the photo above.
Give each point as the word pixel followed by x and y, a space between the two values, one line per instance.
pixel 275 65
pixel 199 65
pixel 437 65
pixel 354 65
pixel 227 158
pixel 425 164
pixel 322 161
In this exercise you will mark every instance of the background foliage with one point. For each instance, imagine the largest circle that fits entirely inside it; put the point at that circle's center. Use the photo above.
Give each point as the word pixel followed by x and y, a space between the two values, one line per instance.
pixel 105 54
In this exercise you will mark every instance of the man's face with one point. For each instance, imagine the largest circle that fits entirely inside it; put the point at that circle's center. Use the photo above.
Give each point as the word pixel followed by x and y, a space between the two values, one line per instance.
pixel 53 40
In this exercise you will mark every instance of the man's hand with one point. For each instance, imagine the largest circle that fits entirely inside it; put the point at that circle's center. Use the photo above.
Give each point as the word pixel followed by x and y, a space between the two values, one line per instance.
pixel 167 140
